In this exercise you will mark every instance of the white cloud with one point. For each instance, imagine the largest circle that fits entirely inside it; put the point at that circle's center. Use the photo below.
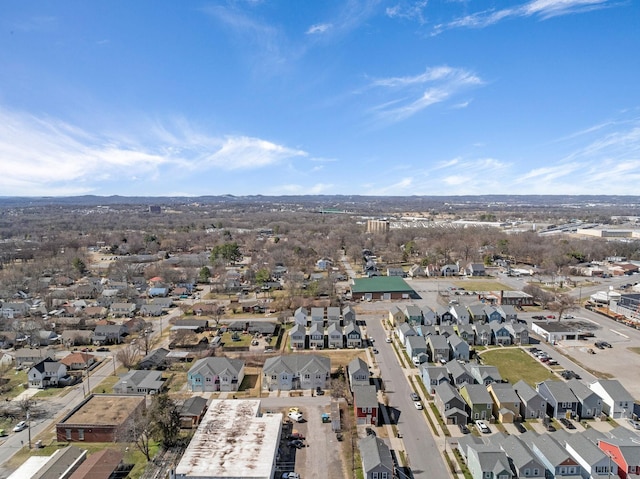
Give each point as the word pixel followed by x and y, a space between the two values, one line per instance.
pixel 541 8
pixel 408 10
pixel 318 28
pixel 46 156
pixel 434 85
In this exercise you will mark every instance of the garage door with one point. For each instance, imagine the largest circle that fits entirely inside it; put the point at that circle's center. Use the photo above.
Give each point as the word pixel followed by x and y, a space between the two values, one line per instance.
pixel 386 296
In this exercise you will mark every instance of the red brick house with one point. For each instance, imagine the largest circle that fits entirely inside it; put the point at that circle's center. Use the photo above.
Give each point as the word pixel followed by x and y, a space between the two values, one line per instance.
pixel 101 418
pixel 365 405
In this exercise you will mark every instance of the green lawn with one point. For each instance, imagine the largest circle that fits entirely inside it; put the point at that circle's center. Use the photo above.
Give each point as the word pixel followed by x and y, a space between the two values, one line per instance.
pixel 515 364
pixel 13 383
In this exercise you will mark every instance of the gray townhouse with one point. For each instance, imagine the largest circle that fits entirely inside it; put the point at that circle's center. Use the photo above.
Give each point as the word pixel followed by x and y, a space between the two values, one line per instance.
pixel 450 405
pixel 532 405
pixel 358 373
pixel 594 462
pixel 559 397
pixel 589 403
pixel 459 373
pixel 459 348
pixel 433 376
pixel 524 463
pixel 438 348
pixel 558 462
pixel 484 374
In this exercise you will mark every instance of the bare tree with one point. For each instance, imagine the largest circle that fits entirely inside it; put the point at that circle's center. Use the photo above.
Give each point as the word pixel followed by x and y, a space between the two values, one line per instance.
pixel 140 432
pixel 147 341
pixel 562 304
pixel 127 356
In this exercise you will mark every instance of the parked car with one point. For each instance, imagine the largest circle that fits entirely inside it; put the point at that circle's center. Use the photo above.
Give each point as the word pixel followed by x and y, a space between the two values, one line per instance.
pixel 21 426
pixel 520 427
pixel 370 432
pixel 290 475
pixel 482 427
pixel 414 397
pixel 387 340
pixel 566 423
pixel 418 405
pixel 463 428
pixel 634 424
pixel 296 416
pixel 375 351
pixel 606 344
pixel 297 443
pixel 551 316
pixel 319 391
pixel 599 344
pixel 102 349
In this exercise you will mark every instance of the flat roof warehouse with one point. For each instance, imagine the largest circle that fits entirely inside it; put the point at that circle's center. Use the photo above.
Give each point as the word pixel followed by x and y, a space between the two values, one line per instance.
pixel 232 441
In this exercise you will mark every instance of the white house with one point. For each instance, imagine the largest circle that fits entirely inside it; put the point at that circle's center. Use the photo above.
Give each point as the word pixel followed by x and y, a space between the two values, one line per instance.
pixel 46 373
pixel 616 400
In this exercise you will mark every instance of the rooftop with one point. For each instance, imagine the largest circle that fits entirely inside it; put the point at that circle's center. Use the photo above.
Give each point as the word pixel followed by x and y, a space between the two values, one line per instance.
pixel 104 409
pixel 380 284
pixel 233 441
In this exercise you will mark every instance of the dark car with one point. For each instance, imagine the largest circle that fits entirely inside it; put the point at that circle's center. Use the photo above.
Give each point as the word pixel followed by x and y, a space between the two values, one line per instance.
pixel 606 344
pixel 520 427
pixel 102 349
pixel 463 428
pixel 319 391
pixel 297 443
pixel 370 432
pixel 599 344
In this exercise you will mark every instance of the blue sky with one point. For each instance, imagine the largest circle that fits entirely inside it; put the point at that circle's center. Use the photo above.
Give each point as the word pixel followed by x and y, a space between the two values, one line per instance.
pixel 398 97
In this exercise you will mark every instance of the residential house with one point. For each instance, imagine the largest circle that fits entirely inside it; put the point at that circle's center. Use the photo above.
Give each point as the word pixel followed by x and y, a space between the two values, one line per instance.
pixel 324 264
pixel 416 271
pixel 151 310
pixel 123 309
pixel 438 348
pixel 76 337
pixel 396 316
pixel 300 316
pixel 399 272
pixel 589 403
pixel 333 314
pixel 413 314
pixel 524 463
pixel 500 334
pixel 446 330
pixel 297 336
pixel 484 374
pixel 488 462
pixel 108 333
pixel 45 338
pixel 560 399
pixel 365 405
pixel 460 314
pixel 477 313
pixel 192 412
pixel 429 316
pixel 478 399
pixel 29 357
pixel 156 359
pixel 335 339
pixel 594 462
pixel 353 335
pixel 450 405
pixel 483 334
pixel 433 376
pixel 46 373
pixel 316 336
pixel 377 462
pixel 506 403
pixel 466 333
pixel 444 315
pixel 475 269
pixel 348 315
pixel 296 371
pixel 616 401
pixel 358 373
pixel 449 270
pixel 78 361
pixel 459 373
pixel 555 458
pixel 507 312
pixel 492 314
pixel 459 348
pixel 317 316
pixel 624 452
pixel 214 374
pixel 139 382
pixel 519 333
pixel 532 405
pixel 416 345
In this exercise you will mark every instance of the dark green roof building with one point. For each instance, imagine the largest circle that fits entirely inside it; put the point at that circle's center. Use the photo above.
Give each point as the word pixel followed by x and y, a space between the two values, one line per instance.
pixel 381 287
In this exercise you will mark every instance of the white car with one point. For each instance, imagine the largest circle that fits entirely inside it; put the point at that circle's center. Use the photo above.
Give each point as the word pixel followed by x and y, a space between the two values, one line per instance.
pixel 21 426
pixel 290 475
pixel 418 405
pixel 387 340
pixel 482 427
pixel 296 416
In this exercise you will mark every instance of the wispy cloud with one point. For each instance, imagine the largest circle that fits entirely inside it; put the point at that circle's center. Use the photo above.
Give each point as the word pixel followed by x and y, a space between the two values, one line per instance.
pixel 542 9
pixel 418 92
pixel 46 156
pixel 408 10
pixel 319 28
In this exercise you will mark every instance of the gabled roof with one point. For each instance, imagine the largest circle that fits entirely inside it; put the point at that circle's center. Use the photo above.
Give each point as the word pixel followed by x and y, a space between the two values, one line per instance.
pixel 580 390
pixel 365 396
pixel 477 394
pixel 296 363
pixel 77 358
pixel 436 372
pixel 446 392
pixel 297 329
pixel 526 392
pixel 217 366
pixel 140 380
pixel 559 390
pixel 504 393
pixel 416 342
pixel 157 356
pixel 438 342
pixel 614 389
pixel 374 453
pixel 517 451
pixel 99 465
pixel 194 406
pixel 357 364
pixel 47 366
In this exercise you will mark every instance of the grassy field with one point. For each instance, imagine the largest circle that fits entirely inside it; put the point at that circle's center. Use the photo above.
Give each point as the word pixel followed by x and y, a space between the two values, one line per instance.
pixel 481 285
pixel 515 364
pixel 13 383
pixel 634 350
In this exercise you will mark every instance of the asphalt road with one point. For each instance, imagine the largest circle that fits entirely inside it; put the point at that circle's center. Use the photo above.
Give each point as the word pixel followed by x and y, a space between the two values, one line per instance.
pixel 425 459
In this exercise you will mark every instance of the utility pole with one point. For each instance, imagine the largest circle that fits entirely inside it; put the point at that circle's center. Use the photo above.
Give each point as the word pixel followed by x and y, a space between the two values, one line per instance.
pixel 29 427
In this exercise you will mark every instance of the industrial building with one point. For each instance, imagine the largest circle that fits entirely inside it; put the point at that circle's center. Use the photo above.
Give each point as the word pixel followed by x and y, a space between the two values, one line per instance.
pixel 233 440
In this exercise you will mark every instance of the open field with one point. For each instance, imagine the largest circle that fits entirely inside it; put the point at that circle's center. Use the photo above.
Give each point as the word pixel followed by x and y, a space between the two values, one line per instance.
pixel 515 364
